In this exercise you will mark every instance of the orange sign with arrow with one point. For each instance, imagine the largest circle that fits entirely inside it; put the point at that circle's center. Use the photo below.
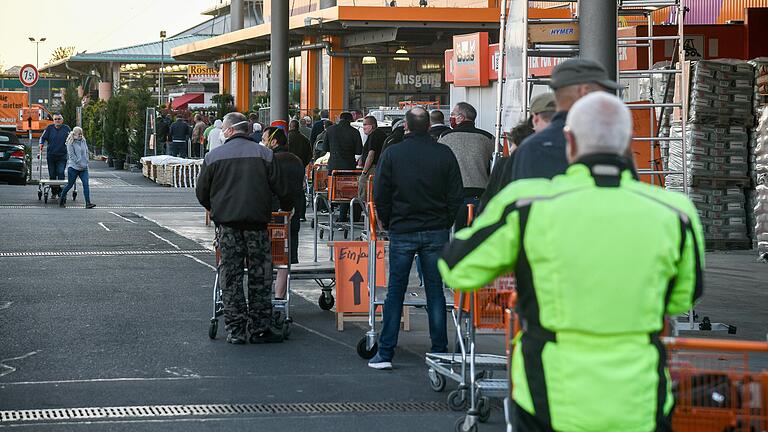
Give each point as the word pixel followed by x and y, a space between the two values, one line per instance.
pixel 351 261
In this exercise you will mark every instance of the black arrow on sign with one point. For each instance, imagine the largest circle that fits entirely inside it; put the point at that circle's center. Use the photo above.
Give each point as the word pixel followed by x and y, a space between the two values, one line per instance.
pixel 357 280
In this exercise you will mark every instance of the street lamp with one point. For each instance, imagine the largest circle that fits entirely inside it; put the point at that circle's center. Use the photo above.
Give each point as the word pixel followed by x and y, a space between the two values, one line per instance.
pixel 162 65
pixel 37 49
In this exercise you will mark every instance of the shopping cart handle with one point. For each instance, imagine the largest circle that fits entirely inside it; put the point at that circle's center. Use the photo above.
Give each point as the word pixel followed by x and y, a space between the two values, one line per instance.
pixel 720 345
pixel 371 221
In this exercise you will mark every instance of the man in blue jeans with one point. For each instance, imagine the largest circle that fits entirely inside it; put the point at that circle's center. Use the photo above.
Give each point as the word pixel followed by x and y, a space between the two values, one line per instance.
pixel 417 191
pixel 56 136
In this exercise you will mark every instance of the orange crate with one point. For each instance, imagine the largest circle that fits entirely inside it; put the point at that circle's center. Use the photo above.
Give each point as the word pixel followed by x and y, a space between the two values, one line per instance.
pixel 491 302
pixel 320 178
pixel 714 388
pixel 278 234
pixel 343 184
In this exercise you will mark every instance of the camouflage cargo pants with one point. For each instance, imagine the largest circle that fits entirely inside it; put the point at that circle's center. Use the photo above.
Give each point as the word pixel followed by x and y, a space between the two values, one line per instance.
pixel 239 247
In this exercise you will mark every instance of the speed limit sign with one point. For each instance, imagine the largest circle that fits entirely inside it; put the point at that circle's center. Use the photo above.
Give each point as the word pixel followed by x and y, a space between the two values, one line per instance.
pixel 28 75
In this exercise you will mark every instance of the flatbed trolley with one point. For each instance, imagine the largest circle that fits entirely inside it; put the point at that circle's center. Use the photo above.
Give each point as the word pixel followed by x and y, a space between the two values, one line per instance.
pixel 342 188
pixel 367 346
pixel 280 237
pixel 44 185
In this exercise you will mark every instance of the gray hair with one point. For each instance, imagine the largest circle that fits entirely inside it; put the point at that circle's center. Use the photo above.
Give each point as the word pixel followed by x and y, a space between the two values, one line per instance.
pixel 468 111
pixel 600 123
pixel 236 121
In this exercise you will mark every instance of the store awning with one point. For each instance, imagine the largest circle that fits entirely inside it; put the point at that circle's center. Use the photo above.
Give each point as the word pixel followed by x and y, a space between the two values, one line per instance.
pixel 184 100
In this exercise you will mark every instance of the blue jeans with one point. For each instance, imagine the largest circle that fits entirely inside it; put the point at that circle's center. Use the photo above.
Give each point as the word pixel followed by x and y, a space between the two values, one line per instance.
pixel 177 149
pixel 402 249
pixel 56 166
pixel 72 175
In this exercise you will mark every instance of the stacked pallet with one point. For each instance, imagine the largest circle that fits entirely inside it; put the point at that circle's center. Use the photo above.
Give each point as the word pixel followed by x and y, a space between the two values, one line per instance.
pixel 716 157
pixel 761 189
pixel 171 171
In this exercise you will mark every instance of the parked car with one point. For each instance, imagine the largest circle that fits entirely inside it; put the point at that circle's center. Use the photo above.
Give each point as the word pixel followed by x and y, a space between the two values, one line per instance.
pixel 13 163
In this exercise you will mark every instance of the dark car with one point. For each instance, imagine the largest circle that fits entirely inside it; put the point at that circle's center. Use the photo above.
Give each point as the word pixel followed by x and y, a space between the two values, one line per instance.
pixel 13 164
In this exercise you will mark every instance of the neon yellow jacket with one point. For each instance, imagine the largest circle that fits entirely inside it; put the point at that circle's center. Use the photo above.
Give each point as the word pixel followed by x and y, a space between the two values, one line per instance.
pixel 599 258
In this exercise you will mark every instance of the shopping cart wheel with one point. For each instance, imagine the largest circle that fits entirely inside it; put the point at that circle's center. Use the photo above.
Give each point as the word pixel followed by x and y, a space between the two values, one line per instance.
pixel 286 329
pixel 457 400
pixel 326 301
pixel 366 353
pixel 462 427
pixel 39 195
pixel 484 407
pixel 213 328
pixel 74 196
pixel 436 381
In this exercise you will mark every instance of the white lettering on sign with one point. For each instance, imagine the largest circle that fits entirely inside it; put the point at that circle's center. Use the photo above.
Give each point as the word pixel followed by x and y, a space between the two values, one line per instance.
pixel 429 79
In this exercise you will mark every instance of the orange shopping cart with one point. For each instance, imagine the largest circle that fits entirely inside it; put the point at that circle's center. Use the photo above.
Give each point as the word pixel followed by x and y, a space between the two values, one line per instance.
pixel 341 188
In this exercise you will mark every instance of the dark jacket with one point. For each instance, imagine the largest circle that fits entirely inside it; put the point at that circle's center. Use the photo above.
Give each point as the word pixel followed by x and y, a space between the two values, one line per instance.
pixel 414 192
pixel 180 131
pixel 292 173
pixel 344 142
pixel 437 130
pixel 237 181
pixel 317 129
pixel 501 176
pixel 298 144
pixel 473 148
pixel 163 126
pixel 397 135
pixel 542 155
pixel 56 139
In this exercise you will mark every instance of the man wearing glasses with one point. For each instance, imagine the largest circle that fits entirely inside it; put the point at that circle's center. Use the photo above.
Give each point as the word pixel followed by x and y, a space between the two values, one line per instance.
pixel 56 136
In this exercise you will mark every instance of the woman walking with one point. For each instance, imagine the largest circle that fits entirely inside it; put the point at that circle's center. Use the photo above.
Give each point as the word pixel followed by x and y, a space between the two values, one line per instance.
pixel 77 166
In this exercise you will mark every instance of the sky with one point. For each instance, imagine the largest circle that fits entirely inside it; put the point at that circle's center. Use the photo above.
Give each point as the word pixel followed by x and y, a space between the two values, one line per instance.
pixel 92 25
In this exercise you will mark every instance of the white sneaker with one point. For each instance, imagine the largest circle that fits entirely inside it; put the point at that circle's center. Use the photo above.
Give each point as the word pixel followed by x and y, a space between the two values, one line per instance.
pixel 379 363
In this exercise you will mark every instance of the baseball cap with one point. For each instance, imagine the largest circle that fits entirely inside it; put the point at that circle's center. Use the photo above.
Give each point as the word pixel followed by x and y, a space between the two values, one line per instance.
pixel 543 103
pixel 580 71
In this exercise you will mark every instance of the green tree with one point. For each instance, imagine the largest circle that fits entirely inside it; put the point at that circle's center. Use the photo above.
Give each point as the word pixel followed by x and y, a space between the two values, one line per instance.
pixel 138 99
pixel 225 104
pixel 116 128
pixel 93 124
pixel 71 102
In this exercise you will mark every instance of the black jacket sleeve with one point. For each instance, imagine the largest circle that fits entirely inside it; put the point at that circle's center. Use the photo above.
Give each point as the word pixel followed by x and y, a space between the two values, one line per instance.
pixel 383 188
pixel 455 187
pixel 279 186
pixel 203 188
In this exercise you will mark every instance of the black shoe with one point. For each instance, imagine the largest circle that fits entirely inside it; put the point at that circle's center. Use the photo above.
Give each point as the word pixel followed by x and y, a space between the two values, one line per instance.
pixel 90 205
pixel 266 336
pixel 62 203
pixel 236 338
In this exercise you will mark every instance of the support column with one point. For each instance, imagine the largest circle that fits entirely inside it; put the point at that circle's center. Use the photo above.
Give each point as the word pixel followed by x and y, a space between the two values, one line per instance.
pixel 237 15
pixel 597 33
pixel 309 78
pixel 242 86
pixel 279 57
pixel 336 79
pixel 224 74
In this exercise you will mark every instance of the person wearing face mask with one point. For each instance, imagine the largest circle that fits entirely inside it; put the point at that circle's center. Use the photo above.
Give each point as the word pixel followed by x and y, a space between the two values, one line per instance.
pixel 236 184
pixel 371 152
pixel 473 148
pixel 77 166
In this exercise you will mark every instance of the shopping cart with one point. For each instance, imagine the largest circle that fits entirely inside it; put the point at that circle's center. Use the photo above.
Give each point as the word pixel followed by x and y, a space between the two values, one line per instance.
pixel 279 230
pixel 342 188
pixel 356 201
pixel 715 385
pixel 44 185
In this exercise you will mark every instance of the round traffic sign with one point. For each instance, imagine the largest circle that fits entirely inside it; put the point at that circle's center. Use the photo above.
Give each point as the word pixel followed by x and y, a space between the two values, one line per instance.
pixel 28 75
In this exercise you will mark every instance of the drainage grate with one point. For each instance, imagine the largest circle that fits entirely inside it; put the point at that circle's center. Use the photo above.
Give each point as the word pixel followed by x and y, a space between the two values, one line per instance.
pixel 105 253
pixel 215 410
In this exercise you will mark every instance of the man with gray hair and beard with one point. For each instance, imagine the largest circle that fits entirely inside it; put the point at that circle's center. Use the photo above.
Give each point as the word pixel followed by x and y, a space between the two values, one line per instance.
pixel 600 259
pixel 236 185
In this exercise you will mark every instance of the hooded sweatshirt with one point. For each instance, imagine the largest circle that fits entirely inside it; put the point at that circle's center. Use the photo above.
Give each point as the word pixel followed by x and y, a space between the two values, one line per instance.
pixel 77 154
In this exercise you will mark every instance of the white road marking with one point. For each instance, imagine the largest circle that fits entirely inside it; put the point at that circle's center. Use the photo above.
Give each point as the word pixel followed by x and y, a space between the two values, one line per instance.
pixel 165 240
pixel 317 333
pixel 5 305
pixel 182 372
pixel 11 369
pixel 202 262
pixel 125 219
pixel 102 225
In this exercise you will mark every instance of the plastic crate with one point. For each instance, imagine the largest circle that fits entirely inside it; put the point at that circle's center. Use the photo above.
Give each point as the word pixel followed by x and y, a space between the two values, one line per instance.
pixel 278 234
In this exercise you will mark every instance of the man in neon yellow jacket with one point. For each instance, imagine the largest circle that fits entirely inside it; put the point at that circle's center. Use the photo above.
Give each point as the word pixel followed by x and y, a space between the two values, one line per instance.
pixel 600 259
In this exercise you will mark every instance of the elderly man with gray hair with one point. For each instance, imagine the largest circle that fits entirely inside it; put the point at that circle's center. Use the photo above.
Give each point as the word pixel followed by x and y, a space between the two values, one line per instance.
pixel 236 185
pixel 600 259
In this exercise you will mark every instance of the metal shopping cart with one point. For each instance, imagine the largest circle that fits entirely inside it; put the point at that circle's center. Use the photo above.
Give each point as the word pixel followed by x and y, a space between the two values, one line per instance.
pixel 342 188
pixel 280 237
pixel 44 185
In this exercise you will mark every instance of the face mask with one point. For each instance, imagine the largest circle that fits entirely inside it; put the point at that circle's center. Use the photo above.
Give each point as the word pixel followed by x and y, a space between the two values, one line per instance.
pixel 453 122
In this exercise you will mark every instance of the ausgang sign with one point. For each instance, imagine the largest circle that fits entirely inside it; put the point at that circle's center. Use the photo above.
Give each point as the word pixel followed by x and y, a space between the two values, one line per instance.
pixel 201 74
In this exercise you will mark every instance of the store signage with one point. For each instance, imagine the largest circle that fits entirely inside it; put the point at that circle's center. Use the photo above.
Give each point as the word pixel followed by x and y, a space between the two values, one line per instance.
pixel 201 74
pixel 431 79
pixel 470 53
pixel 693 46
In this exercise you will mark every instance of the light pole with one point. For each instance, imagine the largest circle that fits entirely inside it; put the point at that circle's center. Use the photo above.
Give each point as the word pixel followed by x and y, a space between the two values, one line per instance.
pixel 37 50
pixel 162 66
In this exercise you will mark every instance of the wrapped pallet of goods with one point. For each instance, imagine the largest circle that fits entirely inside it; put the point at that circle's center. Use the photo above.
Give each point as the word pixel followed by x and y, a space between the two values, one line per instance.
pixel 760 99
pixel 761 189
pixel 716 157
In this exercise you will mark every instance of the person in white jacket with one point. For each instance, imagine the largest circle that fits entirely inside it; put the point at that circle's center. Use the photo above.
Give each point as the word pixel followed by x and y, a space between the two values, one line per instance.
pixel 77 166
pixel 214 136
